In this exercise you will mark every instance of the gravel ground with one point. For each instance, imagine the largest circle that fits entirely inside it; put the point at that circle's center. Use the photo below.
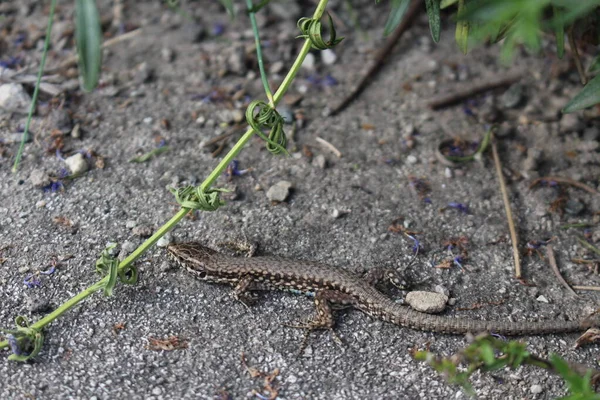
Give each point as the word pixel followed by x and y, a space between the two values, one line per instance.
pixel 185 82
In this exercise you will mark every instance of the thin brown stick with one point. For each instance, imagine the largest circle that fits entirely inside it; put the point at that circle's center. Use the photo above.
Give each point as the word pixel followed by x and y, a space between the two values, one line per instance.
pixel 511 225
pixel 554 266
pixel 381 56
pixel 223 136
pixel 461 95
pixel 566 181
pixel 576 57
pixel 593 288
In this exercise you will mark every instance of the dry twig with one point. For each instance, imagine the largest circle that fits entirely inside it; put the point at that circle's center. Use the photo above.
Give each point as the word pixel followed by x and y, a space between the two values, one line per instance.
pixel 511 224
pixel 552 261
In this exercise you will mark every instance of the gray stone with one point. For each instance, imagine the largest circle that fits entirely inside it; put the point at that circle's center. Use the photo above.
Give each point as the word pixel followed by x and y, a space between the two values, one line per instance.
pixel 38 305
pixel 574 207
pixel 164 241
pixel 591 134
pixel 570 123
pixel 39 178
pixel 167 54
pixel 279 191
pixel 15 138
pixel 320 161
pixel 77 164
pixel 427 302
pixel 276 67
pixel 143 231
pixel 328 57
pixel 236 62
pixel 309 62
pixel 192 32
pixel 513 96
pixel 534 156
pixel 60 119
pixel 536 389
pixel 14 98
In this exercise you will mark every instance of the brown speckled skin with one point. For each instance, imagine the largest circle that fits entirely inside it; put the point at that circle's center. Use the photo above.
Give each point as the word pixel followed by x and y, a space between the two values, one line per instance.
pixel 332 285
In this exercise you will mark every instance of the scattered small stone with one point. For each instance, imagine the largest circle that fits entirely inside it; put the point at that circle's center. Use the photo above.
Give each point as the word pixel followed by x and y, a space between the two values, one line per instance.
pixel 489 112
pixel 335 214
pixel 238 116
pixel 574 207
pixel 77 164
pixel 192 32
pixel 142 73
pixel 23 270
pixel 570 123
pixel 76 132
pixel 513 96
pixel 41 204
pixel 14 98
pixel 286 114
pixel 542 299
pixel 167 266
pixel 442 290
pixel 39 178
pixel 448 173
pixel 167 54
pixel 411 159
pixel 236 62
pixel 60 119
pixel 591 134
pixel 279 191
pixel 38 305
pixel 427 302
pixel 309 62
pixel 320 161
pixel 144 231
pixel 534 156
pixel 130 224
pixel 148 120
pixel 505 129
pixel 536 389
pixel 276 67
pixel 164 241
pixel 452 301
pixel 15 138
pixel 328 57
pixel 126 248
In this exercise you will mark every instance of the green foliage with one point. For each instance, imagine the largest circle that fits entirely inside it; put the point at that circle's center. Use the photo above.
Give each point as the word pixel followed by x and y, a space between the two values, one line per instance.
pixel 88 37
pixel 397 12
pixel 433 13
pixel 580 387
pixel 589 96
pixel 487 353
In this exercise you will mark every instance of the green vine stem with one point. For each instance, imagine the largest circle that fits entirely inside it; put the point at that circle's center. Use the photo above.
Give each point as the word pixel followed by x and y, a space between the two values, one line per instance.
pixel 208 182
pixel 261 64
pixel 36 90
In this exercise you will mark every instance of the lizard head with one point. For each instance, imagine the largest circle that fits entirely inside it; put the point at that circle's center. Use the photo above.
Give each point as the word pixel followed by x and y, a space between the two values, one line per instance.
pixel 192 256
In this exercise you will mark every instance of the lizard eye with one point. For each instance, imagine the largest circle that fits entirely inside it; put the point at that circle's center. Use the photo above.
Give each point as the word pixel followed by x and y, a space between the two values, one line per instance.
pixel 202 274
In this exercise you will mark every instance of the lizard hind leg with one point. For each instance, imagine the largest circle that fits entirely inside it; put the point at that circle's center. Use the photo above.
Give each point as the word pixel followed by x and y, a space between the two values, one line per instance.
pixel 325 302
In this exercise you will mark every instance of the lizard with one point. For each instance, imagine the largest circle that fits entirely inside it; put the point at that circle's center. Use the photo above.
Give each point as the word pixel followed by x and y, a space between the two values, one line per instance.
pixel 332 287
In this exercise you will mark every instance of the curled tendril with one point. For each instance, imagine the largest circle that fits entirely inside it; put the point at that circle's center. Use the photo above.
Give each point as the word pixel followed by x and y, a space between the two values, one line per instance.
pixel 267 117
pixel 109 266
pixel 23 338
pixel 311 30
pixel 197 199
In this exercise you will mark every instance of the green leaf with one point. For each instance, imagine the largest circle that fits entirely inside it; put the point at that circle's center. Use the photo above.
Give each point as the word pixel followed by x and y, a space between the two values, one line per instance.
pixel 462 29
pixel 595 65
pixel 447 3
pixel 588 96
pixel 433 13
pixel 228 4
pixel 88 36
pixel 559 31
pixel 398 9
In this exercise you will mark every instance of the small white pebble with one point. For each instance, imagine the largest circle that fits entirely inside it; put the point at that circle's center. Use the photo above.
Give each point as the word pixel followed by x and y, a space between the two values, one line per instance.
pixel 148 120
pixel 536 389
pixel 542 299
pixel 411 159
pixel 448 173
pixel 41 204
